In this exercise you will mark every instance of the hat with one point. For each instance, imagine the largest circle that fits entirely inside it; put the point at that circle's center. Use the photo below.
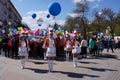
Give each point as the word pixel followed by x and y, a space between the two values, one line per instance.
pixel 75 32
pixel 50 31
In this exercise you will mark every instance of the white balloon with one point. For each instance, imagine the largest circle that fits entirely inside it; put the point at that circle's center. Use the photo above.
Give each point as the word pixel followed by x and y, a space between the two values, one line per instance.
pixel 3 31
pixel 40 21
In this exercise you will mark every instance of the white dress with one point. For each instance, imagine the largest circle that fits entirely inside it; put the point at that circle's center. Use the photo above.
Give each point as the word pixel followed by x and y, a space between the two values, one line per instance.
pixel 76 49
pixel 23 49
pixel 68 46
pixel 51 50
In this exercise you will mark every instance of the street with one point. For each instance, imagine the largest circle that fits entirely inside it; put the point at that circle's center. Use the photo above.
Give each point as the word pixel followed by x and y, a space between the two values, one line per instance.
pixel 103 67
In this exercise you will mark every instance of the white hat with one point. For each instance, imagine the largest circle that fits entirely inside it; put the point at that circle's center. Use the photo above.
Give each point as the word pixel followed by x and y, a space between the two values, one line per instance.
pixel 51 31
pixel 75 32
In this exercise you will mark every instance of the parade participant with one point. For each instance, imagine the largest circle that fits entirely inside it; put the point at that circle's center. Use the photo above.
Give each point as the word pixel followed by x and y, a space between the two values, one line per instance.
pixel 5 46
pixel 27 45
pixel 51 50
pixel 15 42
pixel 84 47
pixel 67 46
pixel 91 45
pixel 23 51
pixel 44 48
pixel 75 49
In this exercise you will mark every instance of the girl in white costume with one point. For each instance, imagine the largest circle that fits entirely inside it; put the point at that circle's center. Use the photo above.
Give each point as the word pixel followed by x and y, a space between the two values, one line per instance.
pixel 67 47
pixel 23 51
pixel 75 50
pixel 51 51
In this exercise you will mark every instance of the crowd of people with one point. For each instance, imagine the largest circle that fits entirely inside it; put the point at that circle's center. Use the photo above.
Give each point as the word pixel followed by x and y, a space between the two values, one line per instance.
pixel 49 47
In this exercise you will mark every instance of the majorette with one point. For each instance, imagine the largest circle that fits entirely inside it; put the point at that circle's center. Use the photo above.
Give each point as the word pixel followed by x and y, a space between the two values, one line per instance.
pixel 67 46
pixel 51 50
pixel 75 48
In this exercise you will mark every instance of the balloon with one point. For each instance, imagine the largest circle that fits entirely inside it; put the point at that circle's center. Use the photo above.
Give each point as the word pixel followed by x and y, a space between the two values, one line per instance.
pixel 59 28
pixel 0 39
pixel 34 16
pixel 98 34
pixel 39 24
pixel 3 31
pixel 30 37
pixel 18 32
pixel 54 30
pixel 14 31
pixel 19 28
pixel 10 29
pixel 48 16
pixel 54 8
pixel 39 21
pixel 10 33
pixel 25 29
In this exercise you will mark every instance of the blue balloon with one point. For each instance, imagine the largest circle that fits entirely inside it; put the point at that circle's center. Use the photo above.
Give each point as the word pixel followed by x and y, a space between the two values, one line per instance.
pixel 54 8
pixel 39 24
pixel 34 15
pixel 30 37
pixel 54 30
pixel 48 16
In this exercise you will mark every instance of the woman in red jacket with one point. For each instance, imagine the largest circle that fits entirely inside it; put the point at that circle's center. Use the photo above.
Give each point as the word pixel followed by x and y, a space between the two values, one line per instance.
pixel 67 46
pixel 75 49
pixel 51 50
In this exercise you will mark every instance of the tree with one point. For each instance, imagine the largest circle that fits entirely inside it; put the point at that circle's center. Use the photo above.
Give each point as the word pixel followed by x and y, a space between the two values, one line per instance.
pixel 99 23
pixel 117 29
pixel 109 17
pixel 81 9
pixel 72 23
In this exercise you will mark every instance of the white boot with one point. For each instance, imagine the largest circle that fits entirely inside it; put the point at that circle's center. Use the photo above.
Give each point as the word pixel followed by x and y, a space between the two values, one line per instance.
pixel 26 57
pixel 22 63
pixel 49 66
pixel 75 62
pixel 45 56
pixel 67 56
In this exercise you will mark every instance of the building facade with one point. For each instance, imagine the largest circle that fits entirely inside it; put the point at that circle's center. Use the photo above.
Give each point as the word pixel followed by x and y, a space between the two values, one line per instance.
pixel 9 16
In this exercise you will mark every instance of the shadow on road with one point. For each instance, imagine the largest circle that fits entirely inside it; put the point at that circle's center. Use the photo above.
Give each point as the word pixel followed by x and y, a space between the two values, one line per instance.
pixel 98 69
pixel 69 74
pixel 37 70
pixel 75 75
pixel 104 56
pixel 85 62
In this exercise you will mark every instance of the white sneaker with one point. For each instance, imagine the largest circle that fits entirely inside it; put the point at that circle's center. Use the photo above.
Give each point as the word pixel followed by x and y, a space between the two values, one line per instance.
pixel 75 65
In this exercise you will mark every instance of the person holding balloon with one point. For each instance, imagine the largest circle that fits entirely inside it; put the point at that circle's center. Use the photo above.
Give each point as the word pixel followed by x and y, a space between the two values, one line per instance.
pixel 51 50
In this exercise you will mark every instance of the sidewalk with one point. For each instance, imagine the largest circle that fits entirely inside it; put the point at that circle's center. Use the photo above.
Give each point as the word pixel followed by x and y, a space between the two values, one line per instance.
pixel 104 67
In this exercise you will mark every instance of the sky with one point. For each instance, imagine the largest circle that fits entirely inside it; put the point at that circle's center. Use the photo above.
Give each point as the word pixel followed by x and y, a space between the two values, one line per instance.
pixel 27 7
